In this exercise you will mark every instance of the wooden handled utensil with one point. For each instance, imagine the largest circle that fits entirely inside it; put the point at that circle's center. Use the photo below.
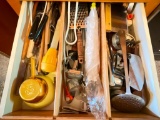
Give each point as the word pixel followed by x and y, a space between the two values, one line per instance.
pixel 127 102
pixel 49 61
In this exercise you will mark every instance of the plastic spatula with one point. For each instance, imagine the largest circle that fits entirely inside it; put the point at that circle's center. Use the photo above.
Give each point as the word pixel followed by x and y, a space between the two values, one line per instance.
pixel 136 72
pixel 49 61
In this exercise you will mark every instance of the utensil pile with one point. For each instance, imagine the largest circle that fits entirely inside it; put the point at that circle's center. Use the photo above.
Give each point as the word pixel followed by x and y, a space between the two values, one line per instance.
pixel 126 72
pixel 35 79
pixel 83 91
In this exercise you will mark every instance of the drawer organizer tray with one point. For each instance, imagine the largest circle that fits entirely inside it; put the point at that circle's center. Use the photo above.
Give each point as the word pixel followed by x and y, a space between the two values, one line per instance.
pixel 11 106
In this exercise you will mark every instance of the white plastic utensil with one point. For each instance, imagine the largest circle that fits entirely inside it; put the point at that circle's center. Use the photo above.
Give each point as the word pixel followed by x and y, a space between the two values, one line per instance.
pixel 136 72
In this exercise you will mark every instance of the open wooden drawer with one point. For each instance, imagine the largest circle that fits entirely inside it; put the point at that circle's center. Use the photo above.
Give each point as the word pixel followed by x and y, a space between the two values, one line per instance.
pixel 10 102
pixel 11 106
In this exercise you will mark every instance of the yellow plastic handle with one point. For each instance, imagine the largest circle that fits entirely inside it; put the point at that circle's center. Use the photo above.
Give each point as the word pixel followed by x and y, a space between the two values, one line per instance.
pixel 33 62
pixel 49 61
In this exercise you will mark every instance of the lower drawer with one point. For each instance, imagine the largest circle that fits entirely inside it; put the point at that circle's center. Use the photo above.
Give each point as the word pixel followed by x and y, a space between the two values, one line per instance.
pixel 11 106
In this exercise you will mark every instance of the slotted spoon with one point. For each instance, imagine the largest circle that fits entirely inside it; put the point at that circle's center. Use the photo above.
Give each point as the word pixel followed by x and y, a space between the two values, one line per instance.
pixel 127 102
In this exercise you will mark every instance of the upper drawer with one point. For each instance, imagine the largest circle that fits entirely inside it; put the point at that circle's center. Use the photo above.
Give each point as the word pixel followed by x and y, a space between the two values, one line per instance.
pixel 12 102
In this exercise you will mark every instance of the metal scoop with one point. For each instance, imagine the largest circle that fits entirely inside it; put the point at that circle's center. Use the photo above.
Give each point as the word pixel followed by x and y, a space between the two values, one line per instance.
pixel 126 102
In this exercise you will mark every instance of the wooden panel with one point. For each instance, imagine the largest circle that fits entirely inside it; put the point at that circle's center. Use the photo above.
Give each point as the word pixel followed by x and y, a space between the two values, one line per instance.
pixel 8 23
pixel 88 116
pixel 132 116
pixel 151 6
pixel 104 62
pixel 30 115
pixel 15 4
pixel 95 0
pixel 59 66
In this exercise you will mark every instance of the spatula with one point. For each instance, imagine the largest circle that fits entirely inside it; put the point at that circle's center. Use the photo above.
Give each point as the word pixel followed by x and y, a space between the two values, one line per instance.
pixel 49 61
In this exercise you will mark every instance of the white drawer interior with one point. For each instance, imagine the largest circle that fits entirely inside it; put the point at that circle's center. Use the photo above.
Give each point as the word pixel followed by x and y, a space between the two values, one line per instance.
pixel 142 33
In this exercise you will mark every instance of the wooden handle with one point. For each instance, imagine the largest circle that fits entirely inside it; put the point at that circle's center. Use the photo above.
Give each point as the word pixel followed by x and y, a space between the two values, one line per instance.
pixel 47 29
pixel 56 35
pixel 121 34
pixel 30 49
pixel 33 63
pixel 41 51
pixel 26 41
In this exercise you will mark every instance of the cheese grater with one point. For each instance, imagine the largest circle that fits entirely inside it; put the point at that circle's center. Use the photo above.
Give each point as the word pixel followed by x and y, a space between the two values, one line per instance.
pixel 80 24
pixel 82 14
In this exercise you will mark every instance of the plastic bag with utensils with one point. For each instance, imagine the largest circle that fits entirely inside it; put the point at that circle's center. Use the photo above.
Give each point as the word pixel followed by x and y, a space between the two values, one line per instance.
pixel 94 89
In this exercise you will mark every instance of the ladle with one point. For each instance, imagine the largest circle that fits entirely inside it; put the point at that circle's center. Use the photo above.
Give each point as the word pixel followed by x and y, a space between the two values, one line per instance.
pixel 127 102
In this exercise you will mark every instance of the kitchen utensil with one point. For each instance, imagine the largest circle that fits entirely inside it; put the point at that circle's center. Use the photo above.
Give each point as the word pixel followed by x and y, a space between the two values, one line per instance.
pixel 68 26
pixel 118 17
pixel 116 92
pixel 130 7
pixel 55 16
pixel 126 102
pixel 47 30
pixel 32 90
pixel 37 91
pixel 108 17
pixel 115 66
pixel 42 24
pixel 116 77
pixel 80 45
pixel 116 80
pixel 26 41
pixel 67 96
pixel 74 74
pixel 49 61
pixel 136 72
pixel 81 15
pixel 39 10
pixel 70 102
pixel 41 52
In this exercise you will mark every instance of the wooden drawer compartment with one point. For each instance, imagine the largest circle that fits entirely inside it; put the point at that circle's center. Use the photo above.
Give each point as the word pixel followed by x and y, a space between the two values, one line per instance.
pixel 79 116
pixel 10 102
pixel 141 31
pixel 11 107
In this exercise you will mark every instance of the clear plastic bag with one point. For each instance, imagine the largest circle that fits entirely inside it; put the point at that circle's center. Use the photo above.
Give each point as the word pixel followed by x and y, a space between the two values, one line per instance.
pixel 94 89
